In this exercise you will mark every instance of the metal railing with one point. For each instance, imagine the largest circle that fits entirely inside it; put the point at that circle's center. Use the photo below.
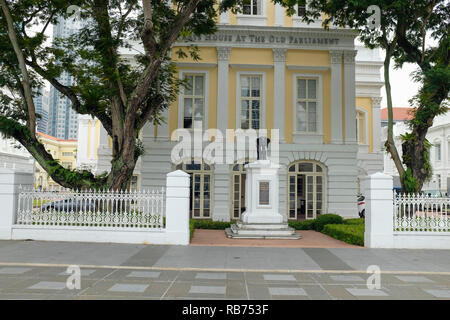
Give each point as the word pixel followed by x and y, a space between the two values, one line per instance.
pixel 421 213
pixel 88 208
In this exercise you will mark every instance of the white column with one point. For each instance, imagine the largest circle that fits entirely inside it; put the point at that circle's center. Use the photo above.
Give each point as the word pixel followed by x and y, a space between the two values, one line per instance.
pixel 221 186
pixel 279 61
pixel 349 98
pixel 376 124
pixel 279 15
pixel 223 56
pixel 104 151
pixel 177 207
pixel 336 96
pixel 82 144
pixel 379 225
pixel 10 180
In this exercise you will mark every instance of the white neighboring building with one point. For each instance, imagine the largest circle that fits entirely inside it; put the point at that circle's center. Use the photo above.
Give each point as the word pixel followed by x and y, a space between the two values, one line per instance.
pixel 13 155
pixel 439 136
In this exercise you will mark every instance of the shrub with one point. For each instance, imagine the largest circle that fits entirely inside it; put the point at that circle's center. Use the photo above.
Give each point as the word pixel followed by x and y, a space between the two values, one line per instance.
pixel 191 228
pixel 325 219
pixel 302 225
pixel 209 224
pixel 357 221
pixel 350 233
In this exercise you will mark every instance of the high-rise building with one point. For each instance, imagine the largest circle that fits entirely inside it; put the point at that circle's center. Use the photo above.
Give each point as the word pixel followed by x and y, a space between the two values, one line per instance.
pixel 62 119
pixel 41 106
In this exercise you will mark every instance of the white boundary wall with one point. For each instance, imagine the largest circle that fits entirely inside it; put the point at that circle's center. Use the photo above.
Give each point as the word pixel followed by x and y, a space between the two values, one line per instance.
pixel 379 224
pixel 177 217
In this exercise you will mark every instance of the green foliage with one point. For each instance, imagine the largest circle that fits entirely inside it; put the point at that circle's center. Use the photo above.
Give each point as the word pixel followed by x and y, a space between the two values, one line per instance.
pixel 210 224
pixel 325 219
pixel 303 224
pixel 410 184
pixel 356 221
pixel 350 233
pixel 191 228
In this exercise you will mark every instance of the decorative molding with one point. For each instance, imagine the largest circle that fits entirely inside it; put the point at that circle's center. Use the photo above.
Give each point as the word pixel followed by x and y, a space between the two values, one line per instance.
pixel 223 53
pixel 195 65
pixel 376 102
pixel 336 56
pixel 242 36
pixel 349 56
pixel 250 66
pixel 308 68
pixel 279 54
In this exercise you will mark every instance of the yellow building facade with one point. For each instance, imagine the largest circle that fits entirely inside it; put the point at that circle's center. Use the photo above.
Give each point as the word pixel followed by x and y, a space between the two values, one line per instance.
pixel 265 70
pixel 64 151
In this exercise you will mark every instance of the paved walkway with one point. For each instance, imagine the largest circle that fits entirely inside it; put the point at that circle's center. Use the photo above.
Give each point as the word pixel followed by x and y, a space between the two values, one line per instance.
pixel 310 239
pixel 32 282
pixel 35 269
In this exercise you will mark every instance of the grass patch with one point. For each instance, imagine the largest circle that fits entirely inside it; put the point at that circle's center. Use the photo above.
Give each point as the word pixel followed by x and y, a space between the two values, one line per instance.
pixel 350 233
pixel 356 221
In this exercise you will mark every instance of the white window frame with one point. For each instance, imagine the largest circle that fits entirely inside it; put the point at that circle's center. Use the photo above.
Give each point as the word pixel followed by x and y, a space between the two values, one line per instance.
pixel 436 144
pixel 254 20
pixel 309 137
pixel 262 112
pixel 182 73
pixel 364 147
pixel 298 23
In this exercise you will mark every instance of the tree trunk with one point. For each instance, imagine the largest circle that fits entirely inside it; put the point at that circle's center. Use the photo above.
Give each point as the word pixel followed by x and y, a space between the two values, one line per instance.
pixel 416 157
pixel 390 143
pixel 123 163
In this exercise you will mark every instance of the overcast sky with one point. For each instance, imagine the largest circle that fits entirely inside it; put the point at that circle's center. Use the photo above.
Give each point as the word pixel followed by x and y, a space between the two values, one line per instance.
pixel 402 87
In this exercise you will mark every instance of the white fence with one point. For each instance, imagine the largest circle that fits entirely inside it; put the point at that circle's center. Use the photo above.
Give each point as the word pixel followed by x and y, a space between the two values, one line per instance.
pixel 88 208
pixel 421 213
pixel 159 216
pixel 403 221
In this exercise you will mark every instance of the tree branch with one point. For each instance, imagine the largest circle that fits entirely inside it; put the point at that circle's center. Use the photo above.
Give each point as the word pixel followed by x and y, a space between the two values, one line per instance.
pixel 25 77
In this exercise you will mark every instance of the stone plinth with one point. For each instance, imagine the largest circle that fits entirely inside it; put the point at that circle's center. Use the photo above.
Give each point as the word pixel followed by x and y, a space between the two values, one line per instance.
pixel 262 218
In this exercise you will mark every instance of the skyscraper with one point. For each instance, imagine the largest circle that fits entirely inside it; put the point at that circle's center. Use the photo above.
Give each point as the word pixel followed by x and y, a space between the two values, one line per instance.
pixel 62 119
pixel 41 106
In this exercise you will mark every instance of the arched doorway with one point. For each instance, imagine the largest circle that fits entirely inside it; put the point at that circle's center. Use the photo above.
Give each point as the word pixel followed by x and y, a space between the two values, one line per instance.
pixel 306 190
pixel 201 185
pixel 238 177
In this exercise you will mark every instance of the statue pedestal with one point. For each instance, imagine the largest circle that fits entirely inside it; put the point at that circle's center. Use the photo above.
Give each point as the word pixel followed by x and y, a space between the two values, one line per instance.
pixel 262 218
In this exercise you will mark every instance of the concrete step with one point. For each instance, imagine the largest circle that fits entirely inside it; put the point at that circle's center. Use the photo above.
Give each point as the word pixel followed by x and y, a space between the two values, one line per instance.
pixel 230 234
pixel 283 231
pixel 264 226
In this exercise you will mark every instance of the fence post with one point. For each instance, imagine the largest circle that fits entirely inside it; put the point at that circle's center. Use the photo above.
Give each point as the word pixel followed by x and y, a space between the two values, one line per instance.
pixel 379 226
pixel 10 180
pixel 177 207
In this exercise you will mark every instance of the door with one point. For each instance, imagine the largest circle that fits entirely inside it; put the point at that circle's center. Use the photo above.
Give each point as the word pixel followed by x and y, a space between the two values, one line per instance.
pixel 238 178
pixel 305 190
